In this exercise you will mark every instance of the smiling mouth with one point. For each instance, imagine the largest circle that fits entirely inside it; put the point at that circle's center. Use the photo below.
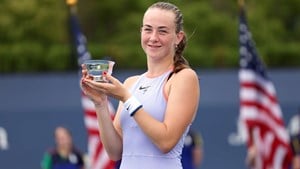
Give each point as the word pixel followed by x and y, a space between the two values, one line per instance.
pixel 154 46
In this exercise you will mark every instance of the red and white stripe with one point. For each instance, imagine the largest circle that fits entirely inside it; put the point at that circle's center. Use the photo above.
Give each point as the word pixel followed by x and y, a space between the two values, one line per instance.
pixel 98 158
pixel 262 116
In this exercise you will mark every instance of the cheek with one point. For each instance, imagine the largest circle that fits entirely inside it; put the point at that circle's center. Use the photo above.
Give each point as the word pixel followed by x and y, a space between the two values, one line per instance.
pixel 144 39
pixel 143 43
pixel 169 42
pixel 145 36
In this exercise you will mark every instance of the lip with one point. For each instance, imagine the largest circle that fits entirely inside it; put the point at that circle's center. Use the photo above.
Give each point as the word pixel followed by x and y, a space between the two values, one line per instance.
pixel 154 46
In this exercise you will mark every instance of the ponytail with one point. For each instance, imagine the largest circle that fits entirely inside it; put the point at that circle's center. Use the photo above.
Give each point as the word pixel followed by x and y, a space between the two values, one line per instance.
pixel 179 61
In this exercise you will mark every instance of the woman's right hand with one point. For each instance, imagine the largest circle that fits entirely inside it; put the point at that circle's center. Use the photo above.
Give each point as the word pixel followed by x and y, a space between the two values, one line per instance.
pixel 99 98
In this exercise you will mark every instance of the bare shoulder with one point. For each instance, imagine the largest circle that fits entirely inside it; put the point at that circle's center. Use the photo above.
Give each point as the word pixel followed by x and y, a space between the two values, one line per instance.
pixel 186 79
pixel 186 75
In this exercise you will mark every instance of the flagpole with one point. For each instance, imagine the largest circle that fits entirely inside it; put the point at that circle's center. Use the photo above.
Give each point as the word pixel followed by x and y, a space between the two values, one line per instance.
pixel 72 5
pixel 72 12
pixel 241 3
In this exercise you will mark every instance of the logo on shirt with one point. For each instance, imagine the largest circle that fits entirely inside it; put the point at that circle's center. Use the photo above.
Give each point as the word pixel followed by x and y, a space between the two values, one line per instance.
pixel 144 89
pixel 128 107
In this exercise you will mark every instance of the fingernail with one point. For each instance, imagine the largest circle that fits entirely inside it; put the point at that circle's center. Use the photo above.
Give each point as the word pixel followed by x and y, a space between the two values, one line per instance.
pixel 104 73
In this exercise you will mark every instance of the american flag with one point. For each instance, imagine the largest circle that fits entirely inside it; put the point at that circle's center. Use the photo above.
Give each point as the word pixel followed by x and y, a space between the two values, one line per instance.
pixel 260 112
pixel 97 156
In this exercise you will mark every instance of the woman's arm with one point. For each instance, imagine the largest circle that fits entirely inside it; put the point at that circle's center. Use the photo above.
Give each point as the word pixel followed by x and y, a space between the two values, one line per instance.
pixel 111 133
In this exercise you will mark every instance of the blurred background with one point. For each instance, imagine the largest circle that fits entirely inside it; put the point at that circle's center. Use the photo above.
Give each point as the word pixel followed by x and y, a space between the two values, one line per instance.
pixel 39 80
pixel 34 35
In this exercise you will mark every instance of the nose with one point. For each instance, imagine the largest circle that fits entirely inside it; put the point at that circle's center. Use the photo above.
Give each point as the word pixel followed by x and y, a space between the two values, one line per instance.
pixel 154 36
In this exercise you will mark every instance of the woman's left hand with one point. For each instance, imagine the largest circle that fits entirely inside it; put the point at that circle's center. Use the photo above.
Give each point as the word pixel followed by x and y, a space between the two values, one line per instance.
pixel 113 87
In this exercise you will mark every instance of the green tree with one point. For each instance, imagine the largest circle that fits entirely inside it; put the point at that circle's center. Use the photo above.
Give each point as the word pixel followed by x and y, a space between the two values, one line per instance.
pixel 34 35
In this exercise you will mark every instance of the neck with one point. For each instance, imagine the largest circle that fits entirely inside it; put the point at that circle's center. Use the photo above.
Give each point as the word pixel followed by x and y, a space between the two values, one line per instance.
pixel 158 68
pixel 64 151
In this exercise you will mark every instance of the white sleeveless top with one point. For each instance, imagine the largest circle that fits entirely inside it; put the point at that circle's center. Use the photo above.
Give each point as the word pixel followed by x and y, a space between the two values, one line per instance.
pixel 138 150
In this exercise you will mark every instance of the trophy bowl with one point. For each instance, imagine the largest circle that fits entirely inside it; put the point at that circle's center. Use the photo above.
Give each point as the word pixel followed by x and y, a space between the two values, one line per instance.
pixel 96 68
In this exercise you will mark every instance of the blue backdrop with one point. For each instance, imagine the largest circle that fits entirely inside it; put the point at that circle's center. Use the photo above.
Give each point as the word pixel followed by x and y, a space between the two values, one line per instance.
pixel 32 105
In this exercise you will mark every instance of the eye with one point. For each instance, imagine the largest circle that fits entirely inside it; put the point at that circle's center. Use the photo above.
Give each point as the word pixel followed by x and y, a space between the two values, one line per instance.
pixel 146 29
pixel 162 32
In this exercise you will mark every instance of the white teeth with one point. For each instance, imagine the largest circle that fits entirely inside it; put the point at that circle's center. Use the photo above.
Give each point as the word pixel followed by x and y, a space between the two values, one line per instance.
pixel 153 46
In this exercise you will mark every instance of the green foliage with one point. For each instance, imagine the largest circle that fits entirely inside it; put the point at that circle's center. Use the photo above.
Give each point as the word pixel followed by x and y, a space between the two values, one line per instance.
pixel 34 35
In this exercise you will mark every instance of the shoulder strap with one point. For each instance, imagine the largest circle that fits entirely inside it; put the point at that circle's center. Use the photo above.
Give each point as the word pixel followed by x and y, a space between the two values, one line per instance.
pixel 170 75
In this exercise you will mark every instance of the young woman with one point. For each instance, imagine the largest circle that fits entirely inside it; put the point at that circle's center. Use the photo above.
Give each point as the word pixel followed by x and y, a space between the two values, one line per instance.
pixel 157 107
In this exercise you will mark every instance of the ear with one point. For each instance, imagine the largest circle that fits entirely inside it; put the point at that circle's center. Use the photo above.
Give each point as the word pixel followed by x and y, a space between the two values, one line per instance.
pixel 179 36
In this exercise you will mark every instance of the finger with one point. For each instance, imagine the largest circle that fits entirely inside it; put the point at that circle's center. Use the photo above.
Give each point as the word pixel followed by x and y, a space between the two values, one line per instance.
pixel 83 66
pixel 83 70
pixel 80 84
pixel 89 91
pixel 84 86
pixel 86 75
pixel 110 78
pixel 95 85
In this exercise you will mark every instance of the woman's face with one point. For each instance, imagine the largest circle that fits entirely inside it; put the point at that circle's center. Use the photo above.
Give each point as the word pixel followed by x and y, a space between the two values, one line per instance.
pixel 158 37
pixel 63 138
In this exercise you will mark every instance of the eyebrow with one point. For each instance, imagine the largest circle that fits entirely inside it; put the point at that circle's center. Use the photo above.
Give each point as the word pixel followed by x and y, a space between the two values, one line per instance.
pixel 160 27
